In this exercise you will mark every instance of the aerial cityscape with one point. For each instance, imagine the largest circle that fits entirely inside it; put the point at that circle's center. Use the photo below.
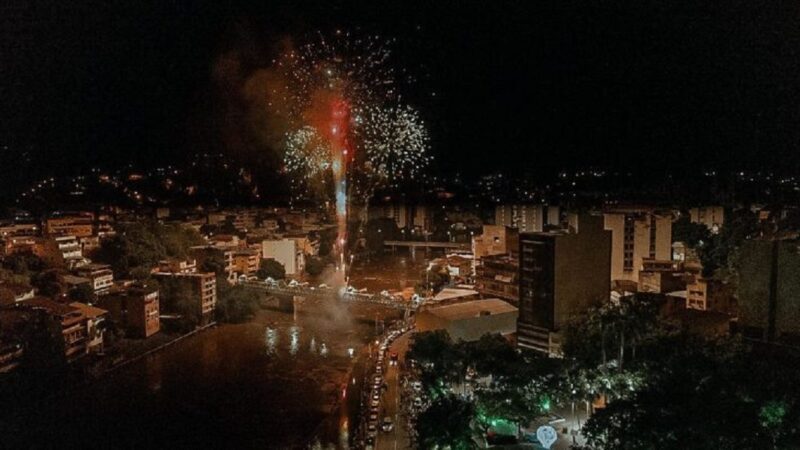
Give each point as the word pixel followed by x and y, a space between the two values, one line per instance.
pixel 387 225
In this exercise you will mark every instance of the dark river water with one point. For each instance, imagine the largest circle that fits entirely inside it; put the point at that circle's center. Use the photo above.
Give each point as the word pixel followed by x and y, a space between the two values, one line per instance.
pixel 270 383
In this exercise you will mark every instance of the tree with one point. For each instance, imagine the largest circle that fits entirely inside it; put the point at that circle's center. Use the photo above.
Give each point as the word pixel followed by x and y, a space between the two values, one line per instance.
pixel 83 293
pixel 271 268
pixel 314 266
pixel 692 234
pixel 326 238
pixel 446 424
pixel 702 394
pixel 213 262
pixel 44 357
pixel 235 304
pixel 23 264
pixel 433 278
pixel 48 283
pixel 138 247
pixel 441 360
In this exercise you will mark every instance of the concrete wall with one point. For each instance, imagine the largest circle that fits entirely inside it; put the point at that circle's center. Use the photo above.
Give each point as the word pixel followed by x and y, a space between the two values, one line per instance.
pixel 582 269
pixel 471 328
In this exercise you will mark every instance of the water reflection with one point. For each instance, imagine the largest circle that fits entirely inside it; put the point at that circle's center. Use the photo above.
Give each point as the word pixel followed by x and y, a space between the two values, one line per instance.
pixel 294 338
pixel 272 341
pixel 269 383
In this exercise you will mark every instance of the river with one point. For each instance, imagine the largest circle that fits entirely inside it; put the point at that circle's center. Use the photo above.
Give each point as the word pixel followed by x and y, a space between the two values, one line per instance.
pixel 268 383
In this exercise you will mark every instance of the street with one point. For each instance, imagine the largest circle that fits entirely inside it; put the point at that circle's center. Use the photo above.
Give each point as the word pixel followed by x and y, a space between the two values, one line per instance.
pixel 398 437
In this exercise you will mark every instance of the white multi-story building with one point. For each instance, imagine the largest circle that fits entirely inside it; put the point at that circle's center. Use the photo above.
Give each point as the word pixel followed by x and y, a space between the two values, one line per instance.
pixel 287 252
pixel 527 217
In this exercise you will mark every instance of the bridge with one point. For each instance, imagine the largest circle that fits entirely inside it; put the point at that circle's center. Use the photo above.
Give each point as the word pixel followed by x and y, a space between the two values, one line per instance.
pixel 427 245
pixel 322 292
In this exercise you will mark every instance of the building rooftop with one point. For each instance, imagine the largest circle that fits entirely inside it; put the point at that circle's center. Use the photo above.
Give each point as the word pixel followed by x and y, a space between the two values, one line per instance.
pixel 16 288
pixel 88 310
pixel 51 306
pixel 73 280
pixel 94 266
pixel 474 308
pixel 451 293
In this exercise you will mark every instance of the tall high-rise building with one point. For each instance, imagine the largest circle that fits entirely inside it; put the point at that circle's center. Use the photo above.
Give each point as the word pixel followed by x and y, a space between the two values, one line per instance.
pixel 525 218
pixel 636 235
pixel 562 273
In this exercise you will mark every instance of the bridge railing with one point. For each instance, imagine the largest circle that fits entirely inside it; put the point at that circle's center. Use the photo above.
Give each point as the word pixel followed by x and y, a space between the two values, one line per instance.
pixel 323 292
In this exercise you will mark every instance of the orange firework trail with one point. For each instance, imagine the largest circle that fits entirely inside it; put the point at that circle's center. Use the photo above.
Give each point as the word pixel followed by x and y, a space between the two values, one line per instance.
pixel 339 105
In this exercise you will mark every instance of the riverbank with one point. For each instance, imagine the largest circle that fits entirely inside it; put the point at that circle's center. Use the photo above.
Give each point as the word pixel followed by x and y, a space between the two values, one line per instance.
pixel 135 353
pixel 267 383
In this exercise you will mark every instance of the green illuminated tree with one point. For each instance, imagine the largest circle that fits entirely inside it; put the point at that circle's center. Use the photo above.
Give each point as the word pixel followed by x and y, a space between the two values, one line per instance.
pixel 446 424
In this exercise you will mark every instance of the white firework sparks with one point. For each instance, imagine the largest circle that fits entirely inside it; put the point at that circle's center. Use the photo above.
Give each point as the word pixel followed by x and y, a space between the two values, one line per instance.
pixel 393 140
pixel 307 153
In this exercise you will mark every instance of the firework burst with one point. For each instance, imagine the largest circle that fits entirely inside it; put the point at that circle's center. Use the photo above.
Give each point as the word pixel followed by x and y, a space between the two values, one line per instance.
pixel 339 104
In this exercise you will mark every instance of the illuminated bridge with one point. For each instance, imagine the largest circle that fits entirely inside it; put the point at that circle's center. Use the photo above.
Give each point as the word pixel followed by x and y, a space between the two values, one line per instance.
pixel 323 292
pixel 427 245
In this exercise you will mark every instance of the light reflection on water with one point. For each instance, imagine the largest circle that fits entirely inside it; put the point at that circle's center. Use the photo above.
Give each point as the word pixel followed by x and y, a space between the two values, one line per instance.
pixel 268 383
pixel 272 341
pixel 294 335
pixel 295 338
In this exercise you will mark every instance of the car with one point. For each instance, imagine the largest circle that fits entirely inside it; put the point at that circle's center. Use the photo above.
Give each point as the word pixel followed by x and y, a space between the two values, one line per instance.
pixel 417 402
pixel 323 286
pixel 375 403
pixel 294 283
pixel 370 440
pixel 373 416
pixel 387 425
pixel 416 385
pixel 376 395
pixel 385 293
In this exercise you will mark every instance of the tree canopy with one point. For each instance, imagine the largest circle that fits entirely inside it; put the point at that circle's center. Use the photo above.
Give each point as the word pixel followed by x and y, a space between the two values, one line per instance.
pixel 139 246
pixel 271 268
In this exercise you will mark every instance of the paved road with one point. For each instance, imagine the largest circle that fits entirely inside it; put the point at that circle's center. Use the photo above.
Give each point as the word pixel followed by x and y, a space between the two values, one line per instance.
pixel 398 437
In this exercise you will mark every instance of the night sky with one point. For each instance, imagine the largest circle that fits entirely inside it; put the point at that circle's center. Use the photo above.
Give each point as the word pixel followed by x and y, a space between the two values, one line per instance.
pixel 505 85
